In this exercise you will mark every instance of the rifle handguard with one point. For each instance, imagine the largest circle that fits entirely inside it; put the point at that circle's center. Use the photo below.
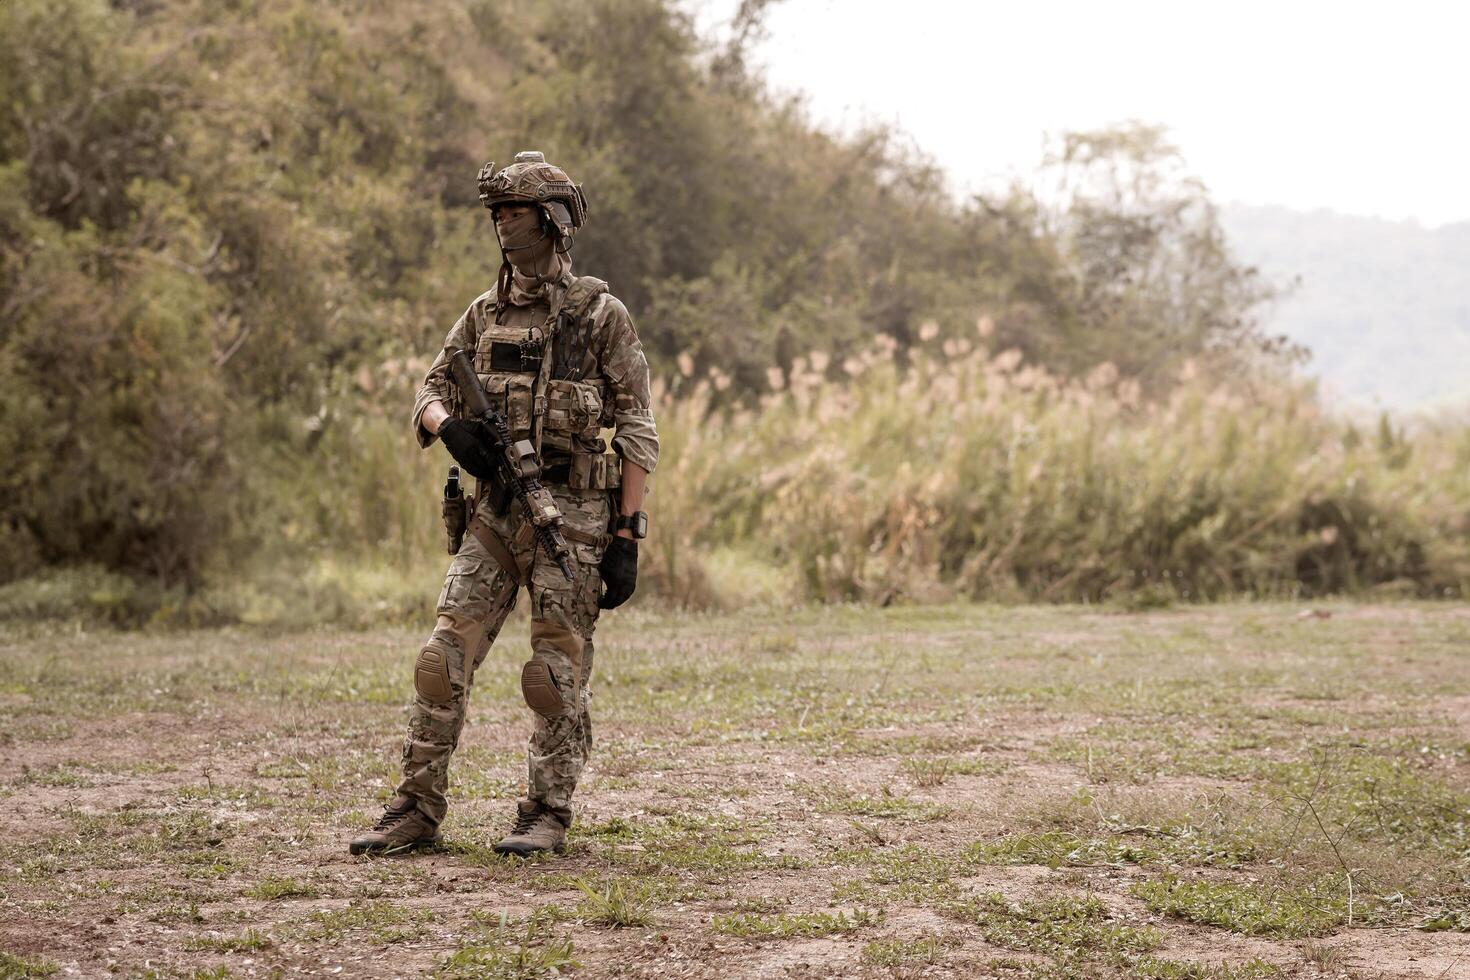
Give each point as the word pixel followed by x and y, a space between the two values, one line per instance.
pixel 462 370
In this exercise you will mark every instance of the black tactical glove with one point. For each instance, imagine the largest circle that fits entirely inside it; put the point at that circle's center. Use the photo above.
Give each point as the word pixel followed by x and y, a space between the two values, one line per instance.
pixel 468 445
pixel 619 572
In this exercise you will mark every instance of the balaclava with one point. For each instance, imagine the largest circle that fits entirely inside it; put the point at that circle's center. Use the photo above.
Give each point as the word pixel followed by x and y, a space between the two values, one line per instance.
pixel 528 242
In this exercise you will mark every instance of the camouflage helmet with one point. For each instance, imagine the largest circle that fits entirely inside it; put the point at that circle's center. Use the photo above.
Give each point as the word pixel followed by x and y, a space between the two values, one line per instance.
pixel 531 180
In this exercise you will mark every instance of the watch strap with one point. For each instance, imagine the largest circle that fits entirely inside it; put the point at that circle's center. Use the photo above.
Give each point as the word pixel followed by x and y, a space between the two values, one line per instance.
pixel 637 523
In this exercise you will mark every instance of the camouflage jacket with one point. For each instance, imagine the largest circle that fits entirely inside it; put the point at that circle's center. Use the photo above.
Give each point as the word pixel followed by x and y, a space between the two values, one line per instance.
pixel 611 390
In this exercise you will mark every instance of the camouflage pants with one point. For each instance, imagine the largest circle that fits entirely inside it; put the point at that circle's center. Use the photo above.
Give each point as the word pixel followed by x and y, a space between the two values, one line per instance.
pixel 478 594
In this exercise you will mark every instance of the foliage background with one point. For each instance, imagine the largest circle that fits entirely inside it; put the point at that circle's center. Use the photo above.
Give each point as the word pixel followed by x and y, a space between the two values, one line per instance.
pixel 231 233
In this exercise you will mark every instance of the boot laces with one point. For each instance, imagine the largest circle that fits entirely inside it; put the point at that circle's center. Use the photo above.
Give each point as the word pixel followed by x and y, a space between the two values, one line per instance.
pixel 525 820
pixel 391 817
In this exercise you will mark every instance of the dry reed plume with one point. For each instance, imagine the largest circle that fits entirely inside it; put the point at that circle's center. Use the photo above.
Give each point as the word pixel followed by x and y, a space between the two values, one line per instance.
pixel 967 473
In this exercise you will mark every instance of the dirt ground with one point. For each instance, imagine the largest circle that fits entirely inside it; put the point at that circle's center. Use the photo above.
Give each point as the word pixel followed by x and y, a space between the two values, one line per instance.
pixel 1227 791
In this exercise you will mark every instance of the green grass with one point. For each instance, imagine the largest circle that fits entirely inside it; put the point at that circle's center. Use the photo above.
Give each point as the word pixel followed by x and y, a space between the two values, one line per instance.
pixel 1178 845
pixel 922 785
pixel 503 954
pixel 251 940
pixel 382 921
pixel 1065 925
pixel 1249 909
pixel 1154 968
pixel 1447 920
pixel 1130 967
pixel 615 903
pixel 924 950
pixel 788 925
pixel 684 842
pixel 886 805
pixel 928 772
pixel 272 888
pixel 18 968
pixel 62 776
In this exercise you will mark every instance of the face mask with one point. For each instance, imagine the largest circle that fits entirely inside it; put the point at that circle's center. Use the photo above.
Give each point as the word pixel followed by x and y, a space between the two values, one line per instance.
pixel 527 247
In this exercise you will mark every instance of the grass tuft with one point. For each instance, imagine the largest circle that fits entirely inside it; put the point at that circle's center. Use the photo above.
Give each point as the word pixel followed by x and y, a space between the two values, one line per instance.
pixel 274 887
pixel 1063 925
pixel 248 941
pixel 928 772
pixel 16 968
pixel 1153 968
pixel 502 954
pixel 1447 920
pixel 925 950
pixel 618 903
pixel 1251 910
pixel 383 921
pixel 1180 845
pixel 788 925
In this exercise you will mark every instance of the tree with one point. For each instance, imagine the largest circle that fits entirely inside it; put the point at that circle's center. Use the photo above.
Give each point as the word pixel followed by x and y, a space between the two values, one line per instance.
pixel 1151 277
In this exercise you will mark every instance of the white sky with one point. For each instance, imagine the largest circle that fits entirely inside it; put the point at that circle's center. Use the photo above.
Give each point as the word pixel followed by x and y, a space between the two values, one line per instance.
pixel 1363 108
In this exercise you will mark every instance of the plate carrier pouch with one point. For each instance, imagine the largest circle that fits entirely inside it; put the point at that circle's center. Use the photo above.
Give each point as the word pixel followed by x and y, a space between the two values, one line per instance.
pixel 550 403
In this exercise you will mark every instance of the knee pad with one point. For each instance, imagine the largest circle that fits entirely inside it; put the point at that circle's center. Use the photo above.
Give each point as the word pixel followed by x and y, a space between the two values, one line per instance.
pixel 539 685
pixel 539 688
pixel 455 637
pixel 431 674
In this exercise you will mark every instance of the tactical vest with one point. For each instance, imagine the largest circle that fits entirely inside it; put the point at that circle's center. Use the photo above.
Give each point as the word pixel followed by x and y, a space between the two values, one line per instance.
pixel 539 370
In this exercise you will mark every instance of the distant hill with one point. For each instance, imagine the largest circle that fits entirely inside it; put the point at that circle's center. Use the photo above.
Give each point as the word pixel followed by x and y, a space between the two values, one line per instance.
pixel 1383 305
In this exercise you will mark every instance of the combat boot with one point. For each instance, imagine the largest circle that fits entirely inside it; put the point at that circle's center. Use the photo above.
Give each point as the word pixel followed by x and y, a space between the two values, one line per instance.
pixel 536 829
pixel 402 827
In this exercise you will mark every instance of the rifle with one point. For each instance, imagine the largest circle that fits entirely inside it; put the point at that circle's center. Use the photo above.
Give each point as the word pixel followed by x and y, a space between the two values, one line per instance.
pixel 517 468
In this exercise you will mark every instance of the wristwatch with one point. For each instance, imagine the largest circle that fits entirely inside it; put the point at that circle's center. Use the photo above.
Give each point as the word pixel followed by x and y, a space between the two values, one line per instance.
pixel 637 523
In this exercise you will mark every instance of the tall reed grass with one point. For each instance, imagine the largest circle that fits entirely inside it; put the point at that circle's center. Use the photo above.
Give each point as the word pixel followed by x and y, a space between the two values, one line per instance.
pixel 966 473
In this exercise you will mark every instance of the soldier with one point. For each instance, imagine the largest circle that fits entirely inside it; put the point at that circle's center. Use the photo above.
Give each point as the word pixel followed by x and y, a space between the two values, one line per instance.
pixel 558 355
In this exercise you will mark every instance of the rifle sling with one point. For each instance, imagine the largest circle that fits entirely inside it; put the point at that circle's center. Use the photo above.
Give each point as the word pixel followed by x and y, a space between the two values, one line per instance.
pixel 596 540
pixel 485 534
pixel 493 543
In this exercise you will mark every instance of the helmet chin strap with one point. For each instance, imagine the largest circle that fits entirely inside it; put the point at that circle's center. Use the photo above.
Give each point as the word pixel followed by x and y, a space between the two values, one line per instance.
pixel 513 277
pixel 536 271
